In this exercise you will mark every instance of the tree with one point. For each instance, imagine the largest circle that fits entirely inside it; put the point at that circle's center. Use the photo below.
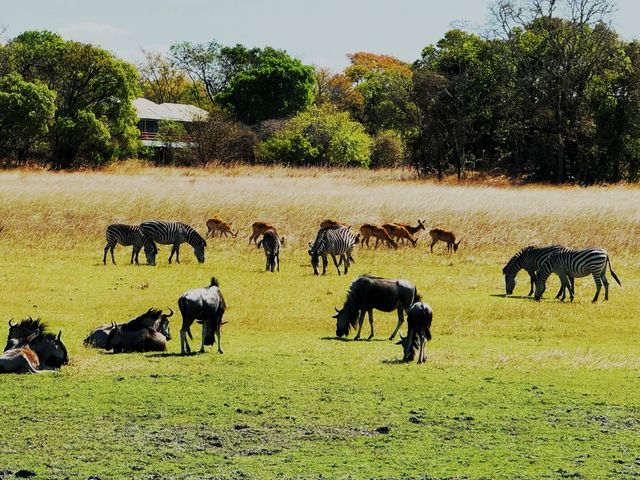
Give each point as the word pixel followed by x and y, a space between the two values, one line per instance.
pixel 93 89
pixel 26 113
pixel 318 136
pixel 162 82
pixel 277 86
pixel 336 89
pixel 221 138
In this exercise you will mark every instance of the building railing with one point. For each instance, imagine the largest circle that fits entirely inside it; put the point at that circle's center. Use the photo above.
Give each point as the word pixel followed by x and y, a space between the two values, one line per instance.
pixel 162 138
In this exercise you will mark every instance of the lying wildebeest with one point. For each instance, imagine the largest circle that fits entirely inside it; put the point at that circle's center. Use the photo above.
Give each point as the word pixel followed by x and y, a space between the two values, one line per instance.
pixel 144 339
pixel 19 360
pixel 50 350
pixel 419 319
pixel 367 293
pixel 206 305
pixel 152 318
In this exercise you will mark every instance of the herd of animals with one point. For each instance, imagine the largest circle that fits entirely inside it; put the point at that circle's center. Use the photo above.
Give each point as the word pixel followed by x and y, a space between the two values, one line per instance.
pixel 32 348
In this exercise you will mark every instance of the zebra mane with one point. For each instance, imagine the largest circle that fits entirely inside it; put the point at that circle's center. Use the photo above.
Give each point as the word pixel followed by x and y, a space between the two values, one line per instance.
pixel 513 263
pixel 194 238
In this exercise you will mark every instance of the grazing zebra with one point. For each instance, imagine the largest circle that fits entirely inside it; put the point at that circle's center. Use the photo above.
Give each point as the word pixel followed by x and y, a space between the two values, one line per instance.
pixel 576 263
pixel 333 241
pixel 271 244
pixel 127 235
pixel 531 259
pixel 174 233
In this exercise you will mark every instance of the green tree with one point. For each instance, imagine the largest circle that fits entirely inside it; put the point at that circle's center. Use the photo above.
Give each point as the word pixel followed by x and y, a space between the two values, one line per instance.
pixel 318 136
pixel 26 113
pixel 277 86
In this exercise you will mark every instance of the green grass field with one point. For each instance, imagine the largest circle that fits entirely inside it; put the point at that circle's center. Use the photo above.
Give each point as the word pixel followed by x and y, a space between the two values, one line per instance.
pixel 513 388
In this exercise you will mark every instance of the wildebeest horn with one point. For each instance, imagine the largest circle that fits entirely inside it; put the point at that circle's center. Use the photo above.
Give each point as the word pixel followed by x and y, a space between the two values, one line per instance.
pixel 337 311
pixel 11 322
pixel 401 337
pixel 171 314
pixel 59 334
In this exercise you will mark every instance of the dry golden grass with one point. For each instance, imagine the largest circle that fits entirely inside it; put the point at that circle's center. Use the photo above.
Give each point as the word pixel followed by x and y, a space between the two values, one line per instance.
pixel 65 206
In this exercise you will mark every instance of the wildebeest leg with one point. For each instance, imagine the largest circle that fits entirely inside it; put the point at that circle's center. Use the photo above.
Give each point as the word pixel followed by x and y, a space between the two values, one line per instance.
pixel 204 334
pixel 278 262
pixel 184 344
pixel 422 357
pixel 598 287
pixel 400 320
pixel 371 323
pixel 360 322
pixel 219 333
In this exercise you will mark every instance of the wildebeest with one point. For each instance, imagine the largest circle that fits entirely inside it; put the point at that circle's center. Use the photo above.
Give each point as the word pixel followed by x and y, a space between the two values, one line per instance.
pixel 419 319
pixel 50 350
pixel 19 360
pixel 271 243
pixel 367 293
pixel 144 339
pixel 152 318
pixel 206 305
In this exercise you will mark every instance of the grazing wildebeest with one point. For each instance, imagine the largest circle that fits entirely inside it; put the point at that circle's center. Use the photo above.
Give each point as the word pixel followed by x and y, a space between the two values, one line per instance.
pixel 419 319
pixel 271 243
pixel 144 339
pixel 207 306
pixel 152 318
pixel 367 293
pixel 50 350
pixel 19 360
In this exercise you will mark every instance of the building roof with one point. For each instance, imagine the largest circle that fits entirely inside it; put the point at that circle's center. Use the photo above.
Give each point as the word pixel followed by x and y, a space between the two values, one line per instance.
pixel 168 111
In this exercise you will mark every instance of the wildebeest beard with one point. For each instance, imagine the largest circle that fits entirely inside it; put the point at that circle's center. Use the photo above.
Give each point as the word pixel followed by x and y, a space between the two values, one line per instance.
pixel 346 319
pixel 210 337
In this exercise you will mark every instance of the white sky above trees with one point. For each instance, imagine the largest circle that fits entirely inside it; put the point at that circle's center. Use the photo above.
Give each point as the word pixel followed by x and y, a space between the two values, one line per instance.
pixel 317 32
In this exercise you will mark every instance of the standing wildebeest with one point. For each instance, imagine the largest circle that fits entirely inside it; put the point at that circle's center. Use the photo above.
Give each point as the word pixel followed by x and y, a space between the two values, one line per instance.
pixel 419 319
pixel 217 224
pixel 50 350
pixel 333 241
pixel 153 318
pixel 174 233
pixel 207 306
pixel 399 233
pixel 531 259
pixel 271 243
pixel 258 228
pixel 369 230
pixel 367 293
pixel 127 235
pixel 449 238
pixel 569 264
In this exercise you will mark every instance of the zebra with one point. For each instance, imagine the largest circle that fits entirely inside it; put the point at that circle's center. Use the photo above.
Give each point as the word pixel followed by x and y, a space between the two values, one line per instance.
pixel 127 235
pixel 531 259
pixel 174 233
pixel 271 243
pixel 576 263
pixel 333 241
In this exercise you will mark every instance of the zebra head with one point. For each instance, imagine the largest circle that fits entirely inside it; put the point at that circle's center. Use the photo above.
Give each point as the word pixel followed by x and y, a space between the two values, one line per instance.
pixel 509 280
pixel 150 251
pixel 315 258
pixel 198 251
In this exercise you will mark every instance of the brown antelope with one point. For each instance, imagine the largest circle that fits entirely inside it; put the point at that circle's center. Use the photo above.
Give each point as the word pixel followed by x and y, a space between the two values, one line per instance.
pixel 258 229
pixel 442 235
pixel 333 224
pixel 369 230
pixel 413 230
pixel 399 232
pixel 217 224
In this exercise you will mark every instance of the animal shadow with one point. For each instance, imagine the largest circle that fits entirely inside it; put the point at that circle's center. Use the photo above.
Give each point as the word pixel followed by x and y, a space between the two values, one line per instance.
pixel 171 354
pixel 396 361
pixel 346 339
pixel 515 297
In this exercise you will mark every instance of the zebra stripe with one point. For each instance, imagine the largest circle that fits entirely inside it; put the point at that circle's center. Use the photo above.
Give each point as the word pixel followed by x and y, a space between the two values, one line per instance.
pixel 529 258
pixel 128 235
pixel 174 233
pixel 333 241
pixel 576 263
pixel 271 244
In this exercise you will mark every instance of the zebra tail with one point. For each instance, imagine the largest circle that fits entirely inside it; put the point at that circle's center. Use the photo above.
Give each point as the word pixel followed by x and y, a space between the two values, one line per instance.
pixel 612 272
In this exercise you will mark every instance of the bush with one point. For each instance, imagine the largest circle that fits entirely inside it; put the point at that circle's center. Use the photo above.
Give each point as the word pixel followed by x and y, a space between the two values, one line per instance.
pixel 387 150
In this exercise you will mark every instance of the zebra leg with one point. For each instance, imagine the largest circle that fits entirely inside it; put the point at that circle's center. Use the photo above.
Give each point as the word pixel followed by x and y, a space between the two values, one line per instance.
pixel 178 253
pixel 104 258
pixel 606 285
pixel 335 261
pixel 598 287
pixel 371 323
pixel 400 320
pixel 532 278
pixel 346 262
pixel 325 262
pixel 360 322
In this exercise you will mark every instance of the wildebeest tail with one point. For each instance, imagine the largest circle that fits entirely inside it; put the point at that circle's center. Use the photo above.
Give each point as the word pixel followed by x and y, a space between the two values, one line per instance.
pixel 416 296
pixel 214 282
pixel 612 273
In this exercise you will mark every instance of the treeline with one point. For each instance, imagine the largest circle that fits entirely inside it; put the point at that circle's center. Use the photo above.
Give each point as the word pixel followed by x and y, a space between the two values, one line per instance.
pixel 551 93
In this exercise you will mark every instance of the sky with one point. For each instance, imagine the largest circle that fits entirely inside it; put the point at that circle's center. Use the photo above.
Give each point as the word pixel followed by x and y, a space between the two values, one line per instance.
pixel 319 32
